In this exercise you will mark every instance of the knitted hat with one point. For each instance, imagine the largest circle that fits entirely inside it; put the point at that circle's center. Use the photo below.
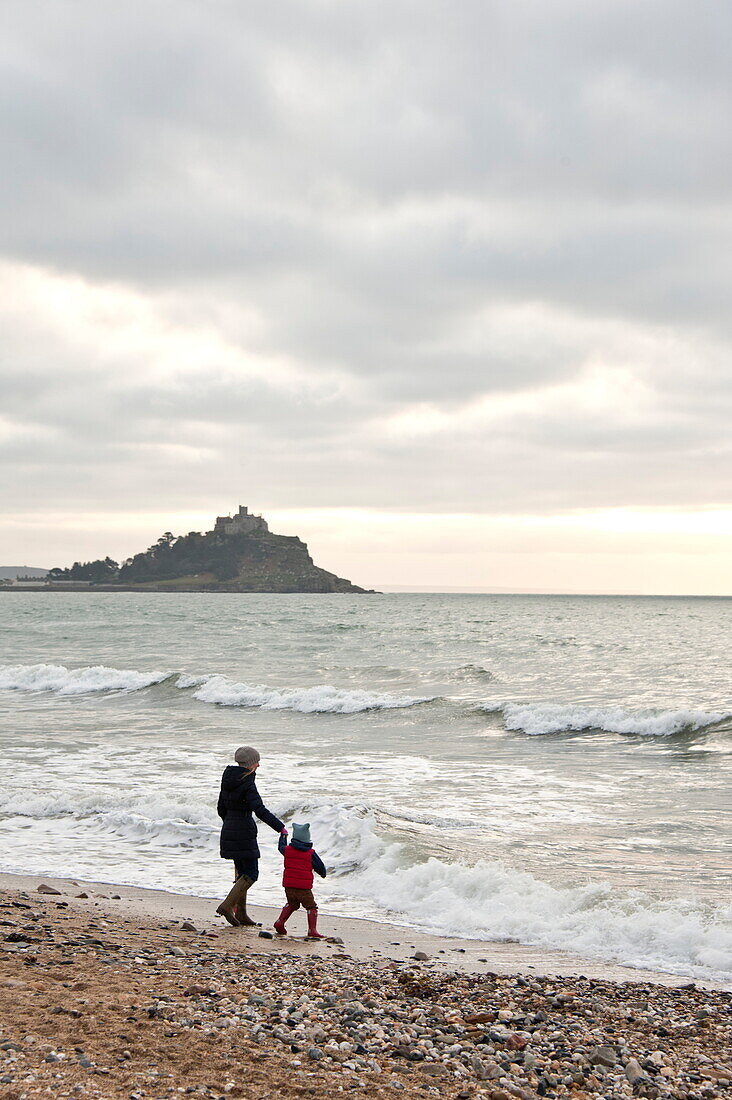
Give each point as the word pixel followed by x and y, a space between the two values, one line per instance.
pixel 301 833
pixel 246 756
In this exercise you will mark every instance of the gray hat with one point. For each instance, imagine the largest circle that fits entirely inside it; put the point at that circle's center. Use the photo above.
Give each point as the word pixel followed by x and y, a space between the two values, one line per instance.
pixel 246 756
pixel 301 833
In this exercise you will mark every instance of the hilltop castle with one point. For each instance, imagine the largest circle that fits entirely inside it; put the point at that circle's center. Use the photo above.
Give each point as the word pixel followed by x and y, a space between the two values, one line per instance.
pixel 240 554
pixel 241 523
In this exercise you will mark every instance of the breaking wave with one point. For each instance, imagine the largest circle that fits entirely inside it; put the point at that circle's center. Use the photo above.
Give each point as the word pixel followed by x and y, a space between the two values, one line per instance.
pixel 76 681
pixel 318 699
pixel 542 718
pixel 374 876
pixel 491 901
pixel 214 688
pixel 166 821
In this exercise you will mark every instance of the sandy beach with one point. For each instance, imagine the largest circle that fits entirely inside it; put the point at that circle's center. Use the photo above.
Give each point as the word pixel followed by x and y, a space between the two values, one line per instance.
pixel 123 992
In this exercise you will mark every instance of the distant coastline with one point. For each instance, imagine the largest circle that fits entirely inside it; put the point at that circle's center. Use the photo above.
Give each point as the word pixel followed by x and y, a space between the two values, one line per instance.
pixel 217 590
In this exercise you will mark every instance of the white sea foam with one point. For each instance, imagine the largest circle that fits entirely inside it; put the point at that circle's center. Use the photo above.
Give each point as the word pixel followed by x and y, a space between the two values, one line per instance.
pixel 319 699
pixel 380 878
pixel 540 718
pixel 494 902
pixel 75 681
pixel 170 822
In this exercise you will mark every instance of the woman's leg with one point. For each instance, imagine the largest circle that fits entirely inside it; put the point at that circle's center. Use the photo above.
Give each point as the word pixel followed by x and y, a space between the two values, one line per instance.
pixel 247 871
pixel 234 905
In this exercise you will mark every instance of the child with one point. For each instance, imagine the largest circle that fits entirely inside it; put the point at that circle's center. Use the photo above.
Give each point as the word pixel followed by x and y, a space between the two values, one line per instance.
pixel 300 862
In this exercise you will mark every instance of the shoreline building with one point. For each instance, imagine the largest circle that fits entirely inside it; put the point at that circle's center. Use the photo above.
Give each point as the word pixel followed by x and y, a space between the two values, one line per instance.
pixel 242 523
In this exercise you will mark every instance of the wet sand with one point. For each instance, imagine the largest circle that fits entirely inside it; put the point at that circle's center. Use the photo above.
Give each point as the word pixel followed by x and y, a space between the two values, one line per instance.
pixel 362 939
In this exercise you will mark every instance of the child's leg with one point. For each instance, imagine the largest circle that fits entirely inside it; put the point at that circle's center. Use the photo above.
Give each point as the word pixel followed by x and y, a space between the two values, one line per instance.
pixel 313 933
pixel 292 905
pixel 311 906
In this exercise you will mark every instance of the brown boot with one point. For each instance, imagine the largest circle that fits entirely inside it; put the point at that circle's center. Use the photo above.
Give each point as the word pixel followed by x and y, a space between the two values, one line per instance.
pixel 240 911
pixel 236 896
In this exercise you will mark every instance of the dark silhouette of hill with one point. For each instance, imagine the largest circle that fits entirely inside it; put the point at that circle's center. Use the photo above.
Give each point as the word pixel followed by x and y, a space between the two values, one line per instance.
pixel 214 561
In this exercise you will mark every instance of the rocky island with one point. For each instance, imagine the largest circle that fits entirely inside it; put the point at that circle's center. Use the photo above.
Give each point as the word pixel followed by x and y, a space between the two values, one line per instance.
pixel 240 554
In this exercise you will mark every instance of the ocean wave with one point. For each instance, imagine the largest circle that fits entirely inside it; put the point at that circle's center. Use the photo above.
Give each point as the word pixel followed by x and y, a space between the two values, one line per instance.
pixel 491 901
pixel 319 699
pixel 487 900
pixel 529 718
pixel 168 822
pixel 542 718
pixel 213 688
pixel 75 681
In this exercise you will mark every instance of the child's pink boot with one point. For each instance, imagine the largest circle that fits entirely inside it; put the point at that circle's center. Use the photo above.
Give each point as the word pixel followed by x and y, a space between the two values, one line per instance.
pixel 279 924
pixel 313 933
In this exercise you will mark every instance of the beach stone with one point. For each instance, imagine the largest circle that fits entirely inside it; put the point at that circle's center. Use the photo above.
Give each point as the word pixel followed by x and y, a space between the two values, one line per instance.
pixel 479 1067
pixel 315 1054
pixel 420 956
pixel 187 926
pixel 44 888
pixel 435 1069
pixel 602 1056
pixel 480 1018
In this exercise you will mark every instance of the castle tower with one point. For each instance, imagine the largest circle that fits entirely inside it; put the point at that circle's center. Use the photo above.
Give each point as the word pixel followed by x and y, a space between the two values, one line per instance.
pixel 242 523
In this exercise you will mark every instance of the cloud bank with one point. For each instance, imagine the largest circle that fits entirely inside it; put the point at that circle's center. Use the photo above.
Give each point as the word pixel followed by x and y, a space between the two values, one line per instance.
pixel 410 258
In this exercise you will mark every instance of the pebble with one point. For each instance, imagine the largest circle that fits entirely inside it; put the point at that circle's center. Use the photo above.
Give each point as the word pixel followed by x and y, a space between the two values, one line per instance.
pixel 602 1056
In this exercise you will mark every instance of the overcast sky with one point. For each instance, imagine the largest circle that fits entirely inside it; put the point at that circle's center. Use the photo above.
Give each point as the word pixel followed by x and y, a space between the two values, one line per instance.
pixel 442 287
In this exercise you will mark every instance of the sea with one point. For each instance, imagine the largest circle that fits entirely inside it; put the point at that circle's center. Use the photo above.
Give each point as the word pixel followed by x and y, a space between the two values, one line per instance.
pixel 553 770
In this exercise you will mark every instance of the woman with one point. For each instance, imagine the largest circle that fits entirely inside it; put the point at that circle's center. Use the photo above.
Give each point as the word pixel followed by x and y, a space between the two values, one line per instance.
pixel 238 800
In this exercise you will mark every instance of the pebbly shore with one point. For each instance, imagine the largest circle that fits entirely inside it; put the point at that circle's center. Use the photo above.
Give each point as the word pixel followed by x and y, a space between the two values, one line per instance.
pixel 97 1004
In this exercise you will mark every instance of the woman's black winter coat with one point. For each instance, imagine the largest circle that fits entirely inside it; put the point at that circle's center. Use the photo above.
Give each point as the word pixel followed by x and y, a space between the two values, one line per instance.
pixel 238 800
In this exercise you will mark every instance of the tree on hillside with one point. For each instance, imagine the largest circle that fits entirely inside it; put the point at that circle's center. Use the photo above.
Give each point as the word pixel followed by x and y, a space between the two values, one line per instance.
pixel 96 572
pixel 186 556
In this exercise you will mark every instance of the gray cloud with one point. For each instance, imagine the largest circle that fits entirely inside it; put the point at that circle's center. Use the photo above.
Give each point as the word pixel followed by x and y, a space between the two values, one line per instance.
pixel 321 249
